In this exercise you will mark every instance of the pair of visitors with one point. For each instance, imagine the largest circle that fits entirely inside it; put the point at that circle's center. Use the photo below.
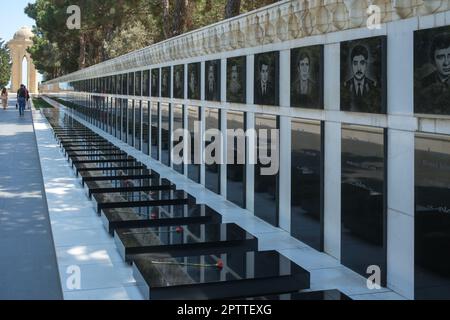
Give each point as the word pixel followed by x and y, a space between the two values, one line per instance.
pixel 22 99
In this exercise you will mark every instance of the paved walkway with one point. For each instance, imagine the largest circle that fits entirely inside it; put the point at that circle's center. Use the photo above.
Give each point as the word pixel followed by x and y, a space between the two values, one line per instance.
pixel 28 268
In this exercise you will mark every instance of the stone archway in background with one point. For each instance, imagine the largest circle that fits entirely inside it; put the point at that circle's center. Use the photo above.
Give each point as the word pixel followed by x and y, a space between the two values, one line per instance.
pixel 18 50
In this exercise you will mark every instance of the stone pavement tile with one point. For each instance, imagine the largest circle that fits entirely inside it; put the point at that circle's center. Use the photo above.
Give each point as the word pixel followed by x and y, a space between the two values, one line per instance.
pixel 88 254
pixel 120 293
pixel 99 276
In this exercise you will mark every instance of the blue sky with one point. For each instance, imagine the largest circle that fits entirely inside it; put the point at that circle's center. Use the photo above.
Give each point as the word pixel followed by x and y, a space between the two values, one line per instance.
pixel 13 17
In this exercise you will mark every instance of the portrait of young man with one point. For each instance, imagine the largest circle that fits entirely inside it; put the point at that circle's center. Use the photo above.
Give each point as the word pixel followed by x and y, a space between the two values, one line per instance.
pixel 212 80
pixel 266 87
pixel 165 82
pixel 155 83
pixel 194 81
pixel 432 71
pixel 363 75
pixel 178 81
pixel 236 79
pixel 307 77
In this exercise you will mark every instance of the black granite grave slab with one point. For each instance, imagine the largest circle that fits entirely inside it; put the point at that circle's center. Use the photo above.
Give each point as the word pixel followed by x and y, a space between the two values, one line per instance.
pixel 113 154
pixel 68 137
pixel 140 199
pixel 115 159
pixel 219 276
pixel 74 155
pixel 182 240
pixel 158 216
pixel 130 186
pixel 85 179
pixel 110 169
pixel 81 141
pixel 310 296
pixel 90 149
pixel 87 145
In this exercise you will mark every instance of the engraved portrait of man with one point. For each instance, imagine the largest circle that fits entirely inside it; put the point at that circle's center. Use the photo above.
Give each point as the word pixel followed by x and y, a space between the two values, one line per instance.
pixel 432 71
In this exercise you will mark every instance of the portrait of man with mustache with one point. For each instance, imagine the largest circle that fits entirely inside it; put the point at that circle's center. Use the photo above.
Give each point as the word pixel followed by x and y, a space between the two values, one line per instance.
pixel 363 75
pixel 360 84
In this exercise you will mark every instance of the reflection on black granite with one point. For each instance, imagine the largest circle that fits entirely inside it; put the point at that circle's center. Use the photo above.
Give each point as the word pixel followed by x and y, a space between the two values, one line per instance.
pixel 363 210
pixel 138 83
pixel 130 138
pixel 154 85
pixel 154 216
pixel 236 149
pixel 309 296
pixel 146 83
pixel 178 81
pixel 155 130
pixel 165 134
pixel 266 183
pixel 306 183
pixel 194 119
pixel 118 134
pixel 137 124
pixel 124 107
pixel 184 240
pixel 128 199
pixel 145 127
pixel 173 278
pixel 178 124
pixel 212 127
pixel 131 83
pixel 432 217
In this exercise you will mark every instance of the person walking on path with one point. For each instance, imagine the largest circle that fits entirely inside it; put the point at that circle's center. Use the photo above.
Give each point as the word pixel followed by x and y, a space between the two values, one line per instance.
pixel 4 98
pixel 27 98
pixel 22 99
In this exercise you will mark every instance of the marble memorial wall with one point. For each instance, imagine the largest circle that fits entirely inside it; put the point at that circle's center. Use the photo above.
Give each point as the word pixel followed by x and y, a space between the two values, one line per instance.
pixel 362 116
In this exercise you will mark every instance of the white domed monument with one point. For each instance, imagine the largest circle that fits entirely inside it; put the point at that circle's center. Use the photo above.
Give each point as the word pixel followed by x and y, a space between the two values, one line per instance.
pixel 18 46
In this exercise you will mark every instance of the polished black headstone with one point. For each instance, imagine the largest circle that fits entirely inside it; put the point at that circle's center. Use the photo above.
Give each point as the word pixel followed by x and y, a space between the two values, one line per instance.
pixel 184 240
pixel 158 216
pixel 310 296
pixel 129 186
pixel 140 199
pixel 220 276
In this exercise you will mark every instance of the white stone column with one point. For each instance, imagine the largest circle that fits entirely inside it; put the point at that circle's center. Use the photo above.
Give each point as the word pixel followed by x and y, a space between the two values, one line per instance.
pixel 284 190
pixel 400 220
pixel 250 125
pixel 223 128
pixel 400 157
pixel 332 190
pixel 332 149
pixel 250 166
pixel 203 124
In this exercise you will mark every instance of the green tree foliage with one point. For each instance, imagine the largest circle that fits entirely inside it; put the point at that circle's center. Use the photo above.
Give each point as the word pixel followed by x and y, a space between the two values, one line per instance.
pixel 110 28
pixel 5 65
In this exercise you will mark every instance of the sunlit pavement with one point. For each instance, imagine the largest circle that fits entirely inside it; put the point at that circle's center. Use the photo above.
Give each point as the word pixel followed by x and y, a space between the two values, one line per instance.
pixel 28 268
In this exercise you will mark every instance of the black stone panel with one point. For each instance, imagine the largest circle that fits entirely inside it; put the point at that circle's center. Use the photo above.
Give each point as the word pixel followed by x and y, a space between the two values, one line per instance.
pixel 182 240
pixel 214 277
pixel 432 217
pixel 156 216
pixel 364 199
